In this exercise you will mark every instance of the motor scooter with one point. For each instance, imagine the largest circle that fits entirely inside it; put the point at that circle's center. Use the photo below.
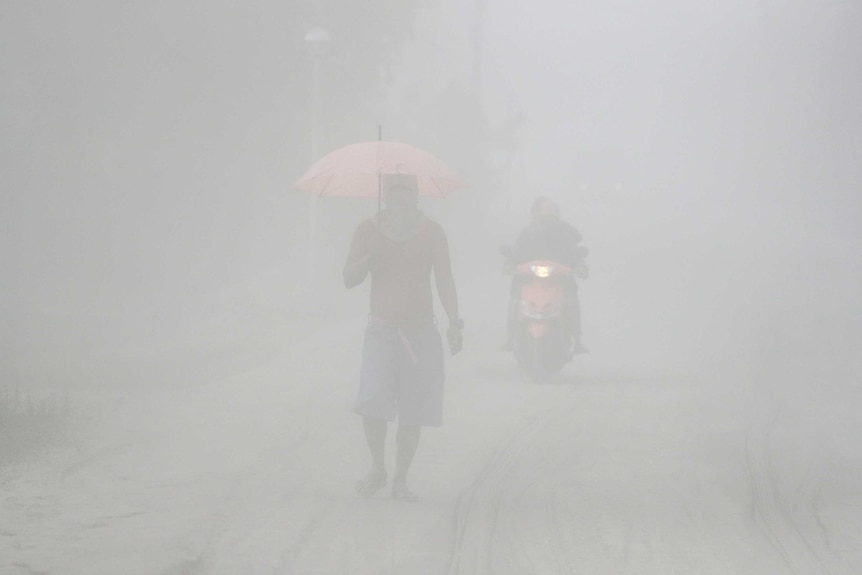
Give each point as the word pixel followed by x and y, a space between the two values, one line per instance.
pixel 542 337
pixel 541 322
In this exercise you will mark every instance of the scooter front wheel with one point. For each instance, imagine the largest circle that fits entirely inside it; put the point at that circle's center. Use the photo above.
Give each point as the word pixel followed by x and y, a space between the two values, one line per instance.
pixel 531 355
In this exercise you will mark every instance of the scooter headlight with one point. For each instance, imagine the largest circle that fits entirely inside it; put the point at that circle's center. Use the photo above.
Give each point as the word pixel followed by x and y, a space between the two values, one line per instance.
pixel 541 271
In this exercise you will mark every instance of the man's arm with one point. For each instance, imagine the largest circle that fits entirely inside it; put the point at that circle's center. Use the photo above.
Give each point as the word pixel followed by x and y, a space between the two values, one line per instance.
pixel 521 248
pixel 361 256
pixel 443 277
pixel 578 253
pixel 446 290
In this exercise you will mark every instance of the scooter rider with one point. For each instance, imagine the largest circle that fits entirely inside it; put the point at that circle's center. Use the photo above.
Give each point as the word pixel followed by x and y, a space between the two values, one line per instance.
pixel 547 237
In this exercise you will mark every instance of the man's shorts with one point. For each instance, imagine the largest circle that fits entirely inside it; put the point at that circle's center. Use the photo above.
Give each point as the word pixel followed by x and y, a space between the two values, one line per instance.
pixel 402 373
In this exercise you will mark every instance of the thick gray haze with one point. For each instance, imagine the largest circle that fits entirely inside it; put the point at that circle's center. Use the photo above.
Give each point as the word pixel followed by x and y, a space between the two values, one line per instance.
pixel 155 265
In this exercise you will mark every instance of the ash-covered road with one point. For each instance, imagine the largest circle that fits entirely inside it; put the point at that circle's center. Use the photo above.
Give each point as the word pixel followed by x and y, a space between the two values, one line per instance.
pixel 608 469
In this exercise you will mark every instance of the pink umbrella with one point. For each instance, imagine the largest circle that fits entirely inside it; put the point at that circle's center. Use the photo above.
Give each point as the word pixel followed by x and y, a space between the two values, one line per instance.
pixel 355 171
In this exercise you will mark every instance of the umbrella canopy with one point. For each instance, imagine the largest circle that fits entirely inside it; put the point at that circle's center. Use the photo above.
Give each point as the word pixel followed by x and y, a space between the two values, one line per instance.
pixel 355 171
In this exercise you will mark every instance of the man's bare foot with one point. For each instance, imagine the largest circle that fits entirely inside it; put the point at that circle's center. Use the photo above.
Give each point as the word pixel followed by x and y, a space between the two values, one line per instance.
pixel 371 483
pixel 578 348
pixel 400 492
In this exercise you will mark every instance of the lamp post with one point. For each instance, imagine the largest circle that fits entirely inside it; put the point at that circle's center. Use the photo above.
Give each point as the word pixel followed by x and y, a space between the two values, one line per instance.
pixel 317 41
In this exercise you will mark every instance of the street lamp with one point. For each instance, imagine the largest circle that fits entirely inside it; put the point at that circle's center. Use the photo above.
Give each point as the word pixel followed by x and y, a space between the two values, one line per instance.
pixel 317 41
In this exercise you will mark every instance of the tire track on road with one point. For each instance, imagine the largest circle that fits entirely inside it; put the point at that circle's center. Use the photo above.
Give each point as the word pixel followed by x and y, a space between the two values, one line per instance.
pixel 772 515
pixel 478 535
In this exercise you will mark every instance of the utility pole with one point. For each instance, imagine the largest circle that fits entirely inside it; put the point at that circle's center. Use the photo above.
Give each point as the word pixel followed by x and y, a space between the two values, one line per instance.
pixel 769 100
pixel 478 29
pixel 317 42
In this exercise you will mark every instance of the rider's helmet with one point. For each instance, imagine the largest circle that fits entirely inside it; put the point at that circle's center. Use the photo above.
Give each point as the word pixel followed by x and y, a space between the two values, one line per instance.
pixel 544 208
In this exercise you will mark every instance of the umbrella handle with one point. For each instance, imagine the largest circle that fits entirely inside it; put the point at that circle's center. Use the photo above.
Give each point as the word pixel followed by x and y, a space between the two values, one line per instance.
pixel 379 178
pixel 379 196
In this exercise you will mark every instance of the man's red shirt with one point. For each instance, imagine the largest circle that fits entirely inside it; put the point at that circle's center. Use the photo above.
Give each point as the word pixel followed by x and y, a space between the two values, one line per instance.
pixel 401 273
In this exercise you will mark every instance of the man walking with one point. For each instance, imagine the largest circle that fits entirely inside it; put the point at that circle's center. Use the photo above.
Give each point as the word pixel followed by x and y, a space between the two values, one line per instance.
pixel 402 357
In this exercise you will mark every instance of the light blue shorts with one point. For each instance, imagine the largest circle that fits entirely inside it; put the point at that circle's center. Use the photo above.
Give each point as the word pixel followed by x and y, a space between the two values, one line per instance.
pixel 402 373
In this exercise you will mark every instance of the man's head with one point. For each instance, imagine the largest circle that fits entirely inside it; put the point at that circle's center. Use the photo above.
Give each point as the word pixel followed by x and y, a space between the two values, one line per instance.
pixel 545 209
pixel 400 192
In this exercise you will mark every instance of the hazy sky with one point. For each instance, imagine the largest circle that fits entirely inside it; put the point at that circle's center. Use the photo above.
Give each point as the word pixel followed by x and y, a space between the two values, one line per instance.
pixel 712 103
pixel 707 114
